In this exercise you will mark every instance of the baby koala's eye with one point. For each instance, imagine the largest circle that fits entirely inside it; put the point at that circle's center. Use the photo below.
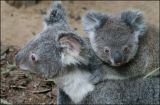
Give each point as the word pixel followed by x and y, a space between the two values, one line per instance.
pixel 126 50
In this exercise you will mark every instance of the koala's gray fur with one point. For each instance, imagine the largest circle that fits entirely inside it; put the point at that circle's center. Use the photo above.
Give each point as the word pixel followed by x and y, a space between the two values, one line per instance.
pixel 109 36
pixel 136 91
pixel 60 54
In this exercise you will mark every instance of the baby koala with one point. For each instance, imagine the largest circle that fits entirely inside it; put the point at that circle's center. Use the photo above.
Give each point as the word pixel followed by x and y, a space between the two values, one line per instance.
pixel 123 42
pixel 60 54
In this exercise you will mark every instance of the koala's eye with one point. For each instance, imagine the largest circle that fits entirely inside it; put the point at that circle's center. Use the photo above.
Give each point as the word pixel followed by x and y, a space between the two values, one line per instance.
pixel 106 50
pixel 33 57
pixel 126 50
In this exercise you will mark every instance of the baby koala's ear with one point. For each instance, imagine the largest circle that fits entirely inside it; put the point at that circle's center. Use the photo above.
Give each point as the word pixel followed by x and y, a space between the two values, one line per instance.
pixel 135 20
pixel 93 20
pixel 71 47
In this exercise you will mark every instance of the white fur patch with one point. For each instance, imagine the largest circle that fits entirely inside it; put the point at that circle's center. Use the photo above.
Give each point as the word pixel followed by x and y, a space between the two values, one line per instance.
pixel 75 84
pixel 44 26
pixel 92 39
pixel 67 59
pixel 112 61
pixel 91 35
pixel 136 34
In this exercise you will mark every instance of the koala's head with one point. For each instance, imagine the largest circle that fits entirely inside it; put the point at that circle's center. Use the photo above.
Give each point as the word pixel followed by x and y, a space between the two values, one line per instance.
pixel 55 47
pixel 115 38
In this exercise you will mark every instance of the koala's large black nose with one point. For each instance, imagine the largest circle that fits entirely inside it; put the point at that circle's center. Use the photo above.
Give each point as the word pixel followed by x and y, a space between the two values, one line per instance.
pixel 117 57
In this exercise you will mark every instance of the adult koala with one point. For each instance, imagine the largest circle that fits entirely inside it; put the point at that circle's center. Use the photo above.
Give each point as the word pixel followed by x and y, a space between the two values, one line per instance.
pixel 59 53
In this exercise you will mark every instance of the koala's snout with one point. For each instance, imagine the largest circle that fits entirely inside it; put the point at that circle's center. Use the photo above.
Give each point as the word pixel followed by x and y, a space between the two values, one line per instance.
pixel 18 59
pixel 117 57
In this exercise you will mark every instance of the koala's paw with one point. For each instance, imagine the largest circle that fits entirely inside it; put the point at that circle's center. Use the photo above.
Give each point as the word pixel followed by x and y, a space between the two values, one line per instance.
pixel 95 78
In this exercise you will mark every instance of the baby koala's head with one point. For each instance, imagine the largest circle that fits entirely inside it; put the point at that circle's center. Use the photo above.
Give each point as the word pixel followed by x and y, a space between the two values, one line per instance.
pixel 114 38
pixel 55 47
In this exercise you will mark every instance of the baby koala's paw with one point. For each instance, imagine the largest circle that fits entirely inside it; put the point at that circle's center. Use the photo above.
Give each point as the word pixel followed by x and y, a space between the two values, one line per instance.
pixel 95 77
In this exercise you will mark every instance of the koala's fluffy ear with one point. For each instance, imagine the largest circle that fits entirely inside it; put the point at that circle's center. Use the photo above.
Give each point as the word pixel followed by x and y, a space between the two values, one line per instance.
pixel 56 14
pixel 93 20
pixel 71 47
pixel 135 19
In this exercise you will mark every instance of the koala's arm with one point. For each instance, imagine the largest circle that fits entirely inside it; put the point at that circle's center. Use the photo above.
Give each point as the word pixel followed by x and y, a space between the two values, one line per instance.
pixel 95 64
pixel 63 98
pixel 96 76
pixel 95 67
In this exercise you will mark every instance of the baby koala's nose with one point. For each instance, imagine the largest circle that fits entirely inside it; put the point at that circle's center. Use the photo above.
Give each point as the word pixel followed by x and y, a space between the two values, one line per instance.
pixel 117 57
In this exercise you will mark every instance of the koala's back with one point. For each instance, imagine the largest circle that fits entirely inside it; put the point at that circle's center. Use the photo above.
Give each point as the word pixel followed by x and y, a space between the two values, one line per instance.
pixel 150 48
pixel 147 58
pixel 139 91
